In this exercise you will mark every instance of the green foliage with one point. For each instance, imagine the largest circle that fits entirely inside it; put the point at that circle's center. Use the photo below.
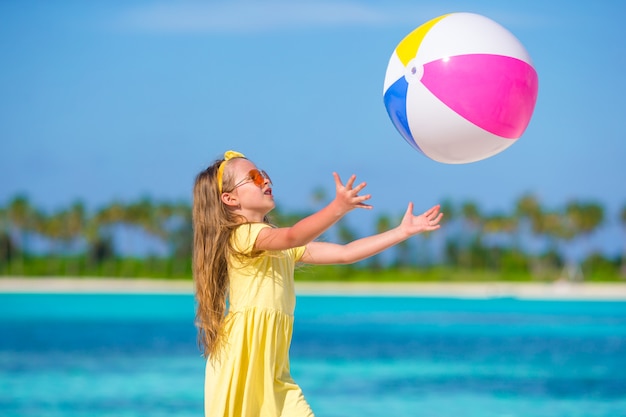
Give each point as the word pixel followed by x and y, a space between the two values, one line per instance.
pixel 600 268
pixel 163 268
pixel 433 274
pixel 8 249
pixel 473 245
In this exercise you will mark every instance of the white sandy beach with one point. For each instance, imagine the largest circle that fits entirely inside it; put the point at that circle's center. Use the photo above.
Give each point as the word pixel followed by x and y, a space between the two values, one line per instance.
pixel 559 290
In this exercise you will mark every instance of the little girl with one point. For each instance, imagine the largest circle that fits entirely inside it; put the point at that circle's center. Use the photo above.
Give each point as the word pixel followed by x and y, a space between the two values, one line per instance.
pixel 240 256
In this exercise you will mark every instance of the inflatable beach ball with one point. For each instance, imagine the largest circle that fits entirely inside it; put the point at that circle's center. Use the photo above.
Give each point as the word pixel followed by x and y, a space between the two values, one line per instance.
pixel 460 88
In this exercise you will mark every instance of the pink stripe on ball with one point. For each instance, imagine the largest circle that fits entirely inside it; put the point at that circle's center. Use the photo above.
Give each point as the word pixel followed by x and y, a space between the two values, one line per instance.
pixel 496 93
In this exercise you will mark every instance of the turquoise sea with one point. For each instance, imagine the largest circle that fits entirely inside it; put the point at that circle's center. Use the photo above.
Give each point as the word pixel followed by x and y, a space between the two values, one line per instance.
pixel 136 355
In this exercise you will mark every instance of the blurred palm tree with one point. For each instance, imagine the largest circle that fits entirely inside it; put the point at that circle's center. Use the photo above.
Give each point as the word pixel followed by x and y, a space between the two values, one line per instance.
pixel 74 225
pixel 472 224
pixel 52 227
pixel 99 232
pixel 622 218
pixel 139 217
pixel 176 223
pixel 452 232
pixel 583 218
pixel 503 224
pixel 527 211
pixel 4 220
pixel 383 223
pixel 345 233
pixel 182 232
pixel 8 251
pixel 544 226
pixel 141 214
pixel 505 246
pixel 449 211
pixel 21 215
pixel 556 231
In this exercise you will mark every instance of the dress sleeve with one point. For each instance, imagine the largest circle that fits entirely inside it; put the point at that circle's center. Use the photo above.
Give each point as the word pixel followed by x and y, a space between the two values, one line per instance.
pixel 297 252
pixel 245 236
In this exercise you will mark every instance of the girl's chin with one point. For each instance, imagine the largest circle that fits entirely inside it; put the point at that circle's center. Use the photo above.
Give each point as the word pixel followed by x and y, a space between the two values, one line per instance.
pixel 273 206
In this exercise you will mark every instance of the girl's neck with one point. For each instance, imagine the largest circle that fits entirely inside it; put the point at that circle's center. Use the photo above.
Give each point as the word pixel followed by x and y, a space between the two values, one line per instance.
pixel 250 216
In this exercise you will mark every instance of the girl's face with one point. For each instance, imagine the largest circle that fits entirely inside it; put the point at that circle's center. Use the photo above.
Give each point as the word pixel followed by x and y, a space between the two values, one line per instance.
pixel 252 191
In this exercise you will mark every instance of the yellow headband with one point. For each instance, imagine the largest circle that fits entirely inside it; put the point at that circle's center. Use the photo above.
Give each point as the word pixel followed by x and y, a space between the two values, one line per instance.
pixel 228 155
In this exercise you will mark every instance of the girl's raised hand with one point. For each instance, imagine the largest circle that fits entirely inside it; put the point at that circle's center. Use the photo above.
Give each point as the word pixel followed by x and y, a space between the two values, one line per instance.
pixel 425 222
pixel 347 196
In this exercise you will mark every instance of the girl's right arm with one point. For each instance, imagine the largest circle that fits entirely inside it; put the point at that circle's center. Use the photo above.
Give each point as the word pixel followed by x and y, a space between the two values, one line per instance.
pixel 325 253
pixel 311 227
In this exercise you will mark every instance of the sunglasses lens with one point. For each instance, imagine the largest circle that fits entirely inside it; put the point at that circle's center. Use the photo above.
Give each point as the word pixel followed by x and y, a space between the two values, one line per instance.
pixel 257 177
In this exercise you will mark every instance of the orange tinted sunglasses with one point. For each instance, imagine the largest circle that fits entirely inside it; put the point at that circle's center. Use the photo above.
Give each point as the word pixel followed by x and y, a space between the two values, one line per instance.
pixel 256 176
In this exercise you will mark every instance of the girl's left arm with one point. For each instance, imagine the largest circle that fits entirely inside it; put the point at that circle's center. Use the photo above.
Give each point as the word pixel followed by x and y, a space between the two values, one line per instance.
pixel 323 253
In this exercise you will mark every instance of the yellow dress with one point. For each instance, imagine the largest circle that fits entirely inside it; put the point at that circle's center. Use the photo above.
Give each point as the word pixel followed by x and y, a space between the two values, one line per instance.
pixel 252 377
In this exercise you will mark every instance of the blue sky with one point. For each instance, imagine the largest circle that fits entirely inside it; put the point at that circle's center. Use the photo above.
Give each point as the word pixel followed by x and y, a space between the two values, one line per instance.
pixel 110 100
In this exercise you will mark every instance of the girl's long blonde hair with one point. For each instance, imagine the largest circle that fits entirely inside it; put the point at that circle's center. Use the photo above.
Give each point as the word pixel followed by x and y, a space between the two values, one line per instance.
pixel 213 225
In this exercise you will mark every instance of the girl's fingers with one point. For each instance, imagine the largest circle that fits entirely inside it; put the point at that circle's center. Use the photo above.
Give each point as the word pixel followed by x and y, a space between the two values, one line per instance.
pixel 337 180
pixel 350 182
pixel 359 187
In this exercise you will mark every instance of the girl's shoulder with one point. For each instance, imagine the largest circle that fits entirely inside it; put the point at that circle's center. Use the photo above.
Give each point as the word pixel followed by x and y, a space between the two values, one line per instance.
pixel 245 235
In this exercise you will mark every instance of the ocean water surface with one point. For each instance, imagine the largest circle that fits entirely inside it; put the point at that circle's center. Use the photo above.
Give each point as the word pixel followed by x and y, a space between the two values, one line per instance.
pixel 136 355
